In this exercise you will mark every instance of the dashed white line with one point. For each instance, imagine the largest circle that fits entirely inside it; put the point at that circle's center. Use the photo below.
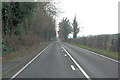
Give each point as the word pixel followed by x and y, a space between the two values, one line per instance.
pixel 28 64
pixel 80 68
pixel 65 55
pixel 73 68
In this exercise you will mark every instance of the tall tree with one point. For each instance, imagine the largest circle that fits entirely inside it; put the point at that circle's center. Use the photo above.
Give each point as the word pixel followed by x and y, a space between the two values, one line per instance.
pixel 65 28
pixel 75 28
pixel 26 24
pixel 14 13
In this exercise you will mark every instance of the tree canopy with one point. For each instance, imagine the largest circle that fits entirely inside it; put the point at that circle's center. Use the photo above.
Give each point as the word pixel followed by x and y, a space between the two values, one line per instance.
pixel 65 28
pixel 75 28
pixel 27 23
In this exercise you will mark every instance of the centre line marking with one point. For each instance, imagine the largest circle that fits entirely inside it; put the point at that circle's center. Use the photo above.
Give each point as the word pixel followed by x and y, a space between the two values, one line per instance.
pixel 80 68
pixel 73 68
pixel 65 55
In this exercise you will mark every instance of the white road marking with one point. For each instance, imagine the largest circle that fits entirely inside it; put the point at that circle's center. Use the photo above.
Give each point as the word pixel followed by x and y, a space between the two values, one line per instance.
pixel 80 68
pixel 73 68
pixel 28 63
pixel 102 56
pixel 106 57
pixel 65 55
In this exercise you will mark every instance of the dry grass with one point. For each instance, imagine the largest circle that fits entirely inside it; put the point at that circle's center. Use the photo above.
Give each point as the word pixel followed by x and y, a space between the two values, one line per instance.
pixel 15 54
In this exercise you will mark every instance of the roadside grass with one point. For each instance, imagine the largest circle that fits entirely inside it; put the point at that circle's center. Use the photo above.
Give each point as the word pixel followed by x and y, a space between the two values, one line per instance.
pixel 99 51
pixel 16 54
pixel 36 50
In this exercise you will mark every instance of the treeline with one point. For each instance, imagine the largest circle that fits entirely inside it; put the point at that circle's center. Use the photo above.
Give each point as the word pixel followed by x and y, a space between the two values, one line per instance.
pixel 25 24
pixel 103 42
pixel 66 27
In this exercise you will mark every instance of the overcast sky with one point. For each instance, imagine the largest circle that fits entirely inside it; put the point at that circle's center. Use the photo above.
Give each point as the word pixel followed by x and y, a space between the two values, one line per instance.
pixel 96 16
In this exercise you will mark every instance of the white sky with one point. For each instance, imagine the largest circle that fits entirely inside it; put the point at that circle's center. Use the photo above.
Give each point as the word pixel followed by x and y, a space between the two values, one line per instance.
pixel 96 16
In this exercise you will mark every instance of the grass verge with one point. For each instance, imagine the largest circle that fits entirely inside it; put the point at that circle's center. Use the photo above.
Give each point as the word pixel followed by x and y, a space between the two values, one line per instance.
pixel 103 52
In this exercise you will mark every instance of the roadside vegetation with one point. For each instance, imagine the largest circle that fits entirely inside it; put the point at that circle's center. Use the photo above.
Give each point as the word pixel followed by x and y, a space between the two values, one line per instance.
pixel 113 55
pixel 107 44
pixel 66 27
pixel 26 25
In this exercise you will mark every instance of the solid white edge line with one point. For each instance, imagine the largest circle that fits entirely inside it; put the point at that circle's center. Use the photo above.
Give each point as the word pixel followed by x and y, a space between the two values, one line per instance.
pixel 73 68
pixel 102 56
pixel 80 68
pixel 15 75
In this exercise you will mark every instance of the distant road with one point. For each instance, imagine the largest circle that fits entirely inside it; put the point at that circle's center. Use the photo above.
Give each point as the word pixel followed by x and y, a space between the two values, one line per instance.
pixel 62 60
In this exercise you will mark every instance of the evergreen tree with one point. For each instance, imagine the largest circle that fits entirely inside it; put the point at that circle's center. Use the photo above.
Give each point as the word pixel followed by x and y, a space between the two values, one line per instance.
pixel 75 28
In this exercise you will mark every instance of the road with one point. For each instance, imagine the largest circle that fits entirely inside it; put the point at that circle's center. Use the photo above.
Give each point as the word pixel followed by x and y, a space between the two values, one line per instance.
pixel 62 60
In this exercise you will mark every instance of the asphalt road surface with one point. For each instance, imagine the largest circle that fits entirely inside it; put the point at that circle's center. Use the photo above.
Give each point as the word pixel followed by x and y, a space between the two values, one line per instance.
pixel 62 60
